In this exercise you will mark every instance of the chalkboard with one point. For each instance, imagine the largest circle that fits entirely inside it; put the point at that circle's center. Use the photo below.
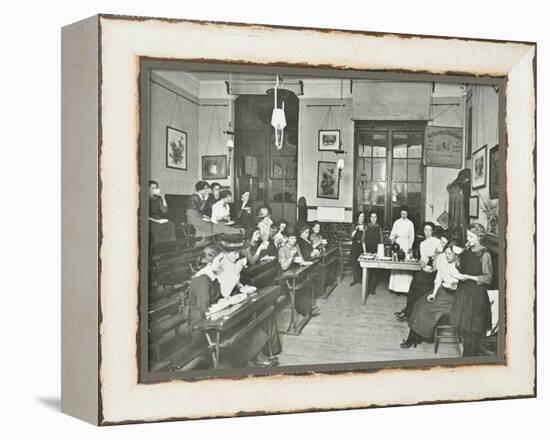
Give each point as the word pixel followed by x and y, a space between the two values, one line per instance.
pixel 443 147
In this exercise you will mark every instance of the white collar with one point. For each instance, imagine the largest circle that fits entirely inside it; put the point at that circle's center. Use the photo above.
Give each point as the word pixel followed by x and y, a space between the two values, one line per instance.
pixel 206 270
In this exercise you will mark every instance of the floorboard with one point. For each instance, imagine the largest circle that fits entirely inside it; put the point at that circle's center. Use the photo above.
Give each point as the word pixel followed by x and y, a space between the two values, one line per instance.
pixel 347 331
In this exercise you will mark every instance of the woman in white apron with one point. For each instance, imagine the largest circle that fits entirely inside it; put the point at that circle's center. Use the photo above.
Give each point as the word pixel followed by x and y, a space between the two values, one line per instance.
pixel 403 234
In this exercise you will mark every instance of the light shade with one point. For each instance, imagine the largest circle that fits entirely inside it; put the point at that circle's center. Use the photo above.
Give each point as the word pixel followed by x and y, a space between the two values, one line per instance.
pixel 340 164
pixel 278 119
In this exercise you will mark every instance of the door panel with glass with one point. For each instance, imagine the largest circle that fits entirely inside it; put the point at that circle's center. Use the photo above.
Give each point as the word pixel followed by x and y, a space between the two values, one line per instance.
pixel 389 171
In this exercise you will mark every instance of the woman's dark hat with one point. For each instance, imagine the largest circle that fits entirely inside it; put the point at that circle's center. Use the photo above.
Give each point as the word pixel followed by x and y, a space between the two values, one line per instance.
pixel 233 242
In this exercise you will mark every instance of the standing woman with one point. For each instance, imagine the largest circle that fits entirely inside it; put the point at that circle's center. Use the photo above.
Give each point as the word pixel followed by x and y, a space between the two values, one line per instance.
pixel 357 247
pixel 471 313
pixel 372 237
pixel 196 210
pixel 402 233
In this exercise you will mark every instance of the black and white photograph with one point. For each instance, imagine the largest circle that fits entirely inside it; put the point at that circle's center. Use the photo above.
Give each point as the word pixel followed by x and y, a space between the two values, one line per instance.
pixel 312 258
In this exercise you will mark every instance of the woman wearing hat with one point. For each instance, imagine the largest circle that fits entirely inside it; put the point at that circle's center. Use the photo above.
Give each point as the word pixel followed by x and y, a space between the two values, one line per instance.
pixel 471 313
pixel 204 291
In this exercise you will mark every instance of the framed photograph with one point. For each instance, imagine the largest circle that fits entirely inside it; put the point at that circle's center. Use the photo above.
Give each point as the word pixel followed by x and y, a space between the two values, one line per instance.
pixel 157 328
pixel 493 172
pixel 176 148
pixel 214 167
pixel 328 183
pixel 329 140
pixel 474 207
pixel 479 168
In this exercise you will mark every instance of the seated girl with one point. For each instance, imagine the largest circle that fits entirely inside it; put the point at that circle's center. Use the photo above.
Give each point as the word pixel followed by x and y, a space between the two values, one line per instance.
pixel 429 309
pixel 254 251
pixel 204 291
pixel 280 235
pixel 289 253
pixel 309 252
pixel 316 238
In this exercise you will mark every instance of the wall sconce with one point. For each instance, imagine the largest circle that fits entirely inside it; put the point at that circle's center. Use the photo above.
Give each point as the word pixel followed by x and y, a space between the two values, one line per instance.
pixel 340 166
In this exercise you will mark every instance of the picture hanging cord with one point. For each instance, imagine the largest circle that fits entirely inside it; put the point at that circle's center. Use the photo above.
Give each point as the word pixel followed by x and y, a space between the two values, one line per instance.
pixel 217 120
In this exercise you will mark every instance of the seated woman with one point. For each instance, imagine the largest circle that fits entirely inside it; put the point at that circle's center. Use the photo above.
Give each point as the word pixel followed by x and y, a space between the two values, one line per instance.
pixel 306 246
pixel 161 229
pixel 221 219
pixel 428 310
pixel 289 253
pixel 212 197
pixel 195 211
pixel 423 280
pixel 204 291
pixel 253 252
pixel 280 235
pixel 316 238
pixel 471 313
pixel 243 212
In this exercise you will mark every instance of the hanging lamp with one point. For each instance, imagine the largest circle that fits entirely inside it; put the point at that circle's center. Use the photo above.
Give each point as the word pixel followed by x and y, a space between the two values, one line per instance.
pixel 278 118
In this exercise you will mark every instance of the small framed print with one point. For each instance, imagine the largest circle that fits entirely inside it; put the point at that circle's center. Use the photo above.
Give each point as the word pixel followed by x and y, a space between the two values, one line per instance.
pixel 493 172
pixel 328 183
pixel 214 167
pixel 474 207
pixel 176 148
pixel 329 140
pixel 479 168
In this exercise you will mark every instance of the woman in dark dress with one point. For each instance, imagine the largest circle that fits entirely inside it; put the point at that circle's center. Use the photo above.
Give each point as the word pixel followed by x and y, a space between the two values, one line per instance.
pixel 243 212
pixel 437 303
pixel 357 247
pixel 204 291
pixel 372 237
pixel 471 313
pixel 253 252
pixel 161 229
pixel 196 210
pixel 309 252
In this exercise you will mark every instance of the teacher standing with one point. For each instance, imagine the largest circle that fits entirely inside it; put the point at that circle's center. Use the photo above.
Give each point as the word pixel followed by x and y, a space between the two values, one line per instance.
pixel 402 233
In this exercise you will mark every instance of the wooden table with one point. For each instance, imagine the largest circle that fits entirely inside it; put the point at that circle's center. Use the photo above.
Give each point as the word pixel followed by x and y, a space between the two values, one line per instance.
pixel 365 264
pixel 292 278
pixel 257 308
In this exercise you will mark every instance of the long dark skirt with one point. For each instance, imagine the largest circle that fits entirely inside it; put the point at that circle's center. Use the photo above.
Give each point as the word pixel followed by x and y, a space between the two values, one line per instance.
pixel 425 315
pixel 161 232
pixel 472 310
pixel 422 283
pixel 355 253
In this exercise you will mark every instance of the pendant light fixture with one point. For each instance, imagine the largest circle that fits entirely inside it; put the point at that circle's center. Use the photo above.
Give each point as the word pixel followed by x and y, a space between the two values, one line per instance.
pixel 278 118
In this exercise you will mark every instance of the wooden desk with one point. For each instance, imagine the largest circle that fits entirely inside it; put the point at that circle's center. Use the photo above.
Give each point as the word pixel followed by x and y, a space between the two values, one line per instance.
pixel 365 264
pixel 257 308
pixel 329 259
pixel 296 278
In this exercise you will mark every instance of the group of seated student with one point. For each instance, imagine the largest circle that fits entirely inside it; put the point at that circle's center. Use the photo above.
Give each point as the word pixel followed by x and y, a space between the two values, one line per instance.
pixel 452 285
pixel 209 211
pixel 219 278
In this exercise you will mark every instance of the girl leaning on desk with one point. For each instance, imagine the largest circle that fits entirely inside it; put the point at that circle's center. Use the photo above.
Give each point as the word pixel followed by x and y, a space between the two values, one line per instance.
pixel 204 291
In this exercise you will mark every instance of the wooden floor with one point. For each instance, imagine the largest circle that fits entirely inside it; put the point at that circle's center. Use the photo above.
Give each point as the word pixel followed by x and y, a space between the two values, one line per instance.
pixel 347 331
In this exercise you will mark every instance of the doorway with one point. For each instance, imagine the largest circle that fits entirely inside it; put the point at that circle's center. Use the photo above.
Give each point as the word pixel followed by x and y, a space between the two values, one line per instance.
pixel 389 171
pixel 269 174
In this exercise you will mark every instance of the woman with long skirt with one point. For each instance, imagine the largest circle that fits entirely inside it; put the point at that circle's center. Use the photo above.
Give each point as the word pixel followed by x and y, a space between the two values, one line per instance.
pixel 429 309
pixel 471 313
pixel 402 233
pixel 372 237
pixel 357 247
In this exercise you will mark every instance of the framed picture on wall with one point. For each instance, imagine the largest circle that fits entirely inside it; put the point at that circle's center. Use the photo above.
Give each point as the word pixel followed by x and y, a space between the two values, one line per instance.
pixel 329 140
pixel 328 184
pixel 479 168
pixel 493 172
pixel 176 148
pixel 214 167
pixel 474 207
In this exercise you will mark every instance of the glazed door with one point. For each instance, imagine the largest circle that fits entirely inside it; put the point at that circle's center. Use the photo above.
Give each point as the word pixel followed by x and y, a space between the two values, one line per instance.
pixel 389 171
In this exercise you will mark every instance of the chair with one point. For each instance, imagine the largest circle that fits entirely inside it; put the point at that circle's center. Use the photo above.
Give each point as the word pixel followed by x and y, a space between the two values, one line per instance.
pixel 344 247
pixel 446 334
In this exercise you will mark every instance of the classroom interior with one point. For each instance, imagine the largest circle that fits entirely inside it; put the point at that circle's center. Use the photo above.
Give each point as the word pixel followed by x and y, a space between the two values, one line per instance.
pixel 348 145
